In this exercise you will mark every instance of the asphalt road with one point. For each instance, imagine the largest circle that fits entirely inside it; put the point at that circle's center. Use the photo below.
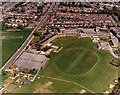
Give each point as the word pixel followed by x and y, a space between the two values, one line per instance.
pixel 20 50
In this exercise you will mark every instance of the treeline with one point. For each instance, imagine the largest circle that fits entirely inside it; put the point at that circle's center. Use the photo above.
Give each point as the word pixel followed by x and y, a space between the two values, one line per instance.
pixel 113 32
pixel 114 11
pixel 33 71
pixel 19 4
pixel 40 9
pixel 75 5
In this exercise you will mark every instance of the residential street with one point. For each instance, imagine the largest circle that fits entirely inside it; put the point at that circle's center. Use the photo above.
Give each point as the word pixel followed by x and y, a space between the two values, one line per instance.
pixel 22 48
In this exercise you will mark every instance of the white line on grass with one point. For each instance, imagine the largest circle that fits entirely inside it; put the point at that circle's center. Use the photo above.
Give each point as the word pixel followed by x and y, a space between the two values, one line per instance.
pixel 94 65
pixel 69 82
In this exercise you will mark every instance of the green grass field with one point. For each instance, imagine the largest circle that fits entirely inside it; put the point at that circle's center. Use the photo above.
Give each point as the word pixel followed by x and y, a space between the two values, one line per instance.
pixel 11 42
pixel 40 86
pixel 79 62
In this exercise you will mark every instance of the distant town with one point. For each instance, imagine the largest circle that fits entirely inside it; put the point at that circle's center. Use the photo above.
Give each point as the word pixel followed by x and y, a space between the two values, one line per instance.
pixel 58 28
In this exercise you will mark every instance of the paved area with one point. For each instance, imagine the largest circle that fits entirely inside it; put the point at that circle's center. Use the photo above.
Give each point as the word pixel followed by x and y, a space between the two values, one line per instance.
pixel 31 61
pixel 111 51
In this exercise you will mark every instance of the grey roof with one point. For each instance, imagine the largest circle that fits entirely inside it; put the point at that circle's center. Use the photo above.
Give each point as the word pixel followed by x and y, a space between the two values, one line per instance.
pixel 25 81
pixel 16 78
pixel 21 75
pixel 115 41
pixel 88 30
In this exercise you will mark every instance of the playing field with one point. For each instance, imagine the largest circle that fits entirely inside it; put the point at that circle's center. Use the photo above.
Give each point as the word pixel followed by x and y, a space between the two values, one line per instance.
pixel 47 85
pixel 80 61
pixel 11 41
pixel 79 65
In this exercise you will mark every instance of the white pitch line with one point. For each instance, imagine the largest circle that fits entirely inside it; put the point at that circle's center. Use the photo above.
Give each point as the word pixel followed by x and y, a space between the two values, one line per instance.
pixel 69 82
pixel 94 65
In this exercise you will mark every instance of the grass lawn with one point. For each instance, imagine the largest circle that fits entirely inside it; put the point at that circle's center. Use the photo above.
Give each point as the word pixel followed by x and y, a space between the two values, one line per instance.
pixel 45 85
pixel 11 42
pixel 34 39
pixel 79 61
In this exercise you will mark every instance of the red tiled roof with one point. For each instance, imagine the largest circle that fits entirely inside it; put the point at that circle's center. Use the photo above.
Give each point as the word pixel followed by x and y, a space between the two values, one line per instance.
pixel 31 25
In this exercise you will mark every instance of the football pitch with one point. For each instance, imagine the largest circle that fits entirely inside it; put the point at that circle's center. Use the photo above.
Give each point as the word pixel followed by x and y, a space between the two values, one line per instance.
pixel 79 63
pixel 11 41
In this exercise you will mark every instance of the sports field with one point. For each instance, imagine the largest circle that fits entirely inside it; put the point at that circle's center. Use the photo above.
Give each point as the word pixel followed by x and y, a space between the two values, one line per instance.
pixel 11 41
pixel 47 85
pixel 80 61
pixel 79 65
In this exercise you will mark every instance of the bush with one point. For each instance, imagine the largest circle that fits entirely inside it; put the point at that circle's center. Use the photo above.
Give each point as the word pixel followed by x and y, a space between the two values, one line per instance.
pixel 36 33
pixel 113 32
pixel 48 56
pixel 4 72
pixel 26 47
pixel 20 26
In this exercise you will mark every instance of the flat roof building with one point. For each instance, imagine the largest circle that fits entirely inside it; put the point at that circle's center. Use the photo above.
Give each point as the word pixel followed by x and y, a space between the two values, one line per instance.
pixel 103 45
pixel 114 42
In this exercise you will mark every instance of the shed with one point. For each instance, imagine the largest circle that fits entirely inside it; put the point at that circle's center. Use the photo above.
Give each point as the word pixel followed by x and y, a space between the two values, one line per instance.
pixel 25 81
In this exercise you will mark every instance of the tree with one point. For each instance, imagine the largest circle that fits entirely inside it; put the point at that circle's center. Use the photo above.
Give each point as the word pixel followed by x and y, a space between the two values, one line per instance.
pixel 113 32
pixel 22 10
pixel 38 48
pixel 27 47
pixel 36 33
pixel 33 71
pixel 4 72
pixel 20 26
pixel 119 39
pixel 48 56
pixel 10 67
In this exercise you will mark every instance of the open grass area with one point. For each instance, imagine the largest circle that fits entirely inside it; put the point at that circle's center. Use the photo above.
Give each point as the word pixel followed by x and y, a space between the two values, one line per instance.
pixel 79 62
pixel 11 41
pixel 35 39
pixel 46 85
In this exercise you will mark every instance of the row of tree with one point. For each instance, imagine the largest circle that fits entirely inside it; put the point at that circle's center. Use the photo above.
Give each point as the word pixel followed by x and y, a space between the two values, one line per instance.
pixel 74 5
pixel 32 71
pixel 114 11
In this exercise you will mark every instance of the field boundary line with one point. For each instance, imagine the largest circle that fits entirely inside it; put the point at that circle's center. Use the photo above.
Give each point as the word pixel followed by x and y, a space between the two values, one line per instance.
pixel 76 61
pixel 94 65
pixel 68 82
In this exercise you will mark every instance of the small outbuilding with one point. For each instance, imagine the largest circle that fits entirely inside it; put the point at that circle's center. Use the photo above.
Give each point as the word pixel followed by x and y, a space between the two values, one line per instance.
pixel 95 39
pixel 61 29
pixel 114 42
pixel 103 45
pixel 25 81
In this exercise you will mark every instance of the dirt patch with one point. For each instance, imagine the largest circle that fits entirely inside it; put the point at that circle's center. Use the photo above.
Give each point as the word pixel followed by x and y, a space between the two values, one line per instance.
pixel 43 88
pixel 10 87
pixel 47 85
pixel 13 30
pixel 82 91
